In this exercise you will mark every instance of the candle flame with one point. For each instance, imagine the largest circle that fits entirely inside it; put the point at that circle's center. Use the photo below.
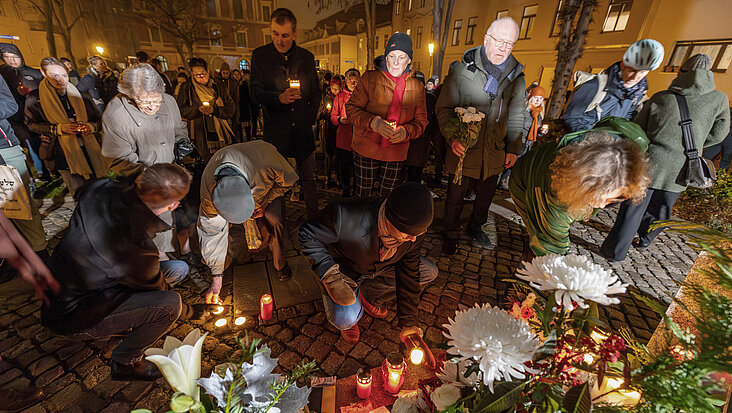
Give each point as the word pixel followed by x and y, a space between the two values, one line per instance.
pixel 394 377
pixel 416 356
pixel 266 298
pixel 220 322
pixel 218 310
pixel 240 320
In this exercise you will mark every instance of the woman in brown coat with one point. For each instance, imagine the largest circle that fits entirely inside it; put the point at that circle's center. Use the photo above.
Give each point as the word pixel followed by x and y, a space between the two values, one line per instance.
pixel 387 110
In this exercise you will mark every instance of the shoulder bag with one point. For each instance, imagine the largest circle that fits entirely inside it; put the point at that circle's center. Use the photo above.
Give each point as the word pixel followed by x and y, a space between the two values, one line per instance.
pixel 697 172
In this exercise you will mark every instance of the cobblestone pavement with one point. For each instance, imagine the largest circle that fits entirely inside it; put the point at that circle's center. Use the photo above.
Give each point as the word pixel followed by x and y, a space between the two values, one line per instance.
pixel 75 377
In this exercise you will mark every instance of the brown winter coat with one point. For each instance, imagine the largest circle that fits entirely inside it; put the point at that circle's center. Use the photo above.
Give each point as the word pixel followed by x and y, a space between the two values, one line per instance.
pixel 372 98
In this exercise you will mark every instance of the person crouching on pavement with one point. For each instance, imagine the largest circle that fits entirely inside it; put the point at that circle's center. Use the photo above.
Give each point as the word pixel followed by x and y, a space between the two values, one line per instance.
pixel 243 181
pixel 109 271
pixel 367 253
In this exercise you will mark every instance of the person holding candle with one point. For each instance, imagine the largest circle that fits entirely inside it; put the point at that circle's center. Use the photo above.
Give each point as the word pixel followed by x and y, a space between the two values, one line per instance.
pixel 387 110
pixel 285 83
pixel 109 272
pixel 243 181
pixel 367 253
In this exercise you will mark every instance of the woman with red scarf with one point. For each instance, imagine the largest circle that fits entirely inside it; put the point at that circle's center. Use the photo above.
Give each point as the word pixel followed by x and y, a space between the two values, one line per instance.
pixel 387 110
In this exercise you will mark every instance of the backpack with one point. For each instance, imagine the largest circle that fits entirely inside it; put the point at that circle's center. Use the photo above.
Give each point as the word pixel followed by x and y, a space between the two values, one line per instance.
pixel 581 78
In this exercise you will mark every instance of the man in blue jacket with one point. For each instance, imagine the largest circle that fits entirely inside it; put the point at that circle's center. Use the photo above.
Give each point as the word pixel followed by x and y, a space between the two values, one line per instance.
pixel 618 91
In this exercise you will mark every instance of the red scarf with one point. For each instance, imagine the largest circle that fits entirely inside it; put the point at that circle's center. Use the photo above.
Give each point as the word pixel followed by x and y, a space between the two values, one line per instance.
pixel 395 109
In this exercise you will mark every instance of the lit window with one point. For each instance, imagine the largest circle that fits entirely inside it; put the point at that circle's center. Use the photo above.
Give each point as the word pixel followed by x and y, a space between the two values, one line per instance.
pixel 163 62
pixel 398 6
pixel 421 3
pixel 456 32
pixel 409 5
pixel 527 21
pixel 419 37
pixel 719 50
pixel 409 32
pixel 241 39
pixel 265 13
pixel 501 14
pixel 557 27
pixel 243 65
pixel 617 16
pixel 470 32
pixel 360 43
pixel 216 36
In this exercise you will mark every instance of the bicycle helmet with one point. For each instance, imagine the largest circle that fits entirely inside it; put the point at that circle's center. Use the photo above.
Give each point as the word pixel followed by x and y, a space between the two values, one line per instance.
pixel 645 54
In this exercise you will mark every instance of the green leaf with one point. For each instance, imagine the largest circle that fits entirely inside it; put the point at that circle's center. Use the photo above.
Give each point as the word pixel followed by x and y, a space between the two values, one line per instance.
pixel 547 348
pixel 505 395
pixel 473 369
pixel 206 401
pixel 578 399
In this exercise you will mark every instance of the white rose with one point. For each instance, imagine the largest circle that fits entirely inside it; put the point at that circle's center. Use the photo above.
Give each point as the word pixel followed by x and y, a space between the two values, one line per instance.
pixel 404 405
pixel 445 396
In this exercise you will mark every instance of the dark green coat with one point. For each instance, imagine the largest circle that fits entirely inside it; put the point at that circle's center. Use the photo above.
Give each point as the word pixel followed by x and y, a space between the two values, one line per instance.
pixel 503 126
pixel 547 220
pixel 709 110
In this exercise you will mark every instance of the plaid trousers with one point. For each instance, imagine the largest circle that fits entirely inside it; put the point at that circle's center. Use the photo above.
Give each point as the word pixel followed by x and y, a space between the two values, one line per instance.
pixel 387 173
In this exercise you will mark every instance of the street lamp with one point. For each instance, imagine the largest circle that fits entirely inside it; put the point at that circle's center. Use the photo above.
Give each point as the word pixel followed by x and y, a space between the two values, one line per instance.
pixel 100 49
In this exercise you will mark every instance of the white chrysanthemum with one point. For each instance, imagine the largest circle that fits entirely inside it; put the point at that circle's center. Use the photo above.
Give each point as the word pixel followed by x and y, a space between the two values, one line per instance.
pixel 573 278
pixel 494 339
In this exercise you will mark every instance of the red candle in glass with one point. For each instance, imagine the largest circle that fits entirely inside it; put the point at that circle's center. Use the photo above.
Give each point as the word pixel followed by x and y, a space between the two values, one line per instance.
pixel 363 383
pixel 265 307
pixel 392 370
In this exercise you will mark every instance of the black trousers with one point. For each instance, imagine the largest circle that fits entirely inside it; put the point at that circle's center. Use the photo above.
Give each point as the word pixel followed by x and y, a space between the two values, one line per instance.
pixel 632 219
pixel 345 169
pixel 484 192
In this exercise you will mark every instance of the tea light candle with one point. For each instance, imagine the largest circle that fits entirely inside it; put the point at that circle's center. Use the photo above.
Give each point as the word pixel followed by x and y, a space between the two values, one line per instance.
pixel 363 383
pixel 393 372
pixel 240 321
pixel 206 104
pixel 265 307
pixel 295 84
pixel 218 310
pixel 220 322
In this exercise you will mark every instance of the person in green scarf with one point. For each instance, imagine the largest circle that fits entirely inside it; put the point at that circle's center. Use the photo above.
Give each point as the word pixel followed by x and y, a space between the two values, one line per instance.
pixel 560 182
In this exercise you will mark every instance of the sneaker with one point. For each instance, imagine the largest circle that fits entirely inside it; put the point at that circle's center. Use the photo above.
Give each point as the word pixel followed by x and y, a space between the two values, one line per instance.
pixel 372 310
pixel 482 240
pixel 351 335
pixel 641 245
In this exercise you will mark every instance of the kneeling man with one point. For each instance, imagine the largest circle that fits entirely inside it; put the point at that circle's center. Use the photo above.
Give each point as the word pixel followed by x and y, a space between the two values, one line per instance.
pixel 112 283
pixel 367 253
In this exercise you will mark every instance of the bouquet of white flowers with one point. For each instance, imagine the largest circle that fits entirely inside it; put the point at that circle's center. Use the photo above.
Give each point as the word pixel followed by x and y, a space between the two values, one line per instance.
pixel 465 127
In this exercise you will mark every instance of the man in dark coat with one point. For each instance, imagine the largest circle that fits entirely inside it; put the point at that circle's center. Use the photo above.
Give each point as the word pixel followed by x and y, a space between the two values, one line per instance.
pixel 158 66
pixel 110 273
pixel 368 253
pixel 290 109
pixel 21 79
pixel 490 79
pixel 100 83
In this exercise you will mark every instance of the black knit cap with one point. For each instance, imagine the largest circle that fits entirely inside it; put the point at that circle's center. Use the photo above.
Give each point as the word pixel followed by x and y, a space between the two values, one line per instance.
pixel 399 41
pixel 409 208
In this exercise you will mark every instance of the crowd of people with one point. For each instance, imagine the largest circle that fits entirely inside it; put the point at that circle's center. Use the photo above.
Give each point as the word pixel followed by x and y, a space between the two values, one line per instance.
pixel 155 162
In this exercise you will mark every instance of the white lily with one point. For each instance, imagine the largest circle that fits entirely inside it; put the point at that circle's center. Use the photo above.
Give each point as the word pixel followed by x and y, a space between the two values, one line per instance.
pixel 180 362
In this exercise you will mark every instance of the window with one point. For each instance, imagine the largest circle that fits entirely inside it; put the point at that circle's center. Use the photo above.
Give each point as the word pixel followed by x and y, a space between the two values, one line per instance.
pixel 335 47
pixel 409 5
pixel 557 27
pixel 376 42
pixel 386 40
pixel 250 9
pixel 163 62
pixel 360 43
pixel 211 8
pixel 265 13
pixel 617 16
pixel 409 32
pixel 238 9
pixel 154 34
pixel 215 36
pixel 527 21
pixel 241 39
pixel 470 32
pixel 421 3
pixel 243 65
pixel 419 37
pixel 719 50
pixel 397 6
pixel 456 31
pixel 501 14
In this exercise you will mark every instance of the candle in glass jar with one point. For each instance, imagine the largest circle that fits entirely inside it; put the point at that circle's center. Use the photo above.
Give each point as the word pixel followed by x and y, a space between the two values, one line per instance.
pixel 393 372
pixel 265 307
pixel 363 383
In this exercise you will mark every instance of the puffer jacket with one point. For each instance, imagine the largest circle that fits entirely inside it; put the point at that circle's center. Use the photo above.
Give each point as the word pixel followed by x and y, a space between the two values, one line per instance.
pixel 502 127
pixel 660 119
pixel 344 135
pixel 134 140
pixel 372 98
pixel 21 81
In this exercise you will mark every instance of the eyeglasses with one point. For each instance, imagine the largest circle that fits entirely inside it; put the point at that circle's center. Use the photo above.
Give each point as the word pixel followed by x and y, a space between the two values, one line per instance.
pixel 150 103
pixel 502 43
pixel 201 75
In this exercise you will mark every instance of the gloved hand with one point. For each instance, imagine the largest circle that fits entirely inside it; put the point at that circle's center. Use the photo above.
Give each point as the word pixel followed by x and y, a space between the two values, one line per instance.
pixel 339 286
pixel 400 134
pixel 380 126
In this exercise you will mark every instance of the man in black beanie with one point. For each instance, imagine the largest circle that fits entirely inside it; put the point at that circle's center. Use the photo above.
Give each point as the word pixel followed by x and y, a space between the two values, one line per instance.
pixel 367 253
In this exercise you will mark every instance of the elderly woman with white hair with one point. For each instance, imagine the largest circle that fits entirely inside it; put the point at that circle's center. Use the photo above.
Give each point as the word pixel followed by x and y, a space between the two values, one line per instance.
pixel 143 126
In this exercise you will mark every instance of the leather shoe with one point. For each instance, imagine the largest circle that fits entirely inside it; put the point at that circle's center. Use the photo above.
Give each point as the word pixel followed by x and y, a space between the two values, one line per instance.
pixel 142 370
pixel 372 310
pixel 449 247
pixel 340 287
pixel 16 401
pixel 351 335
pixel 640 245
pixel 284 274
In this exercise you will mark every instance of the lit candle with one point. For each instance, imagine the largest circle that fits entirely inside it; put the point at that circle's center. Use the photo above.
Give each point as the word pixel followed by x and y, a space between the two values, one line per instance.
pixel 544 128
pixel 240 321
pixel 598 335
pixel 295 84
pixel 392 123
pixel 393 372
pixel 265 307
pixel 416 356
pixel 220 322
pixel 363 383
pixel 218 310
pixel 328 106
pixel 205 104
